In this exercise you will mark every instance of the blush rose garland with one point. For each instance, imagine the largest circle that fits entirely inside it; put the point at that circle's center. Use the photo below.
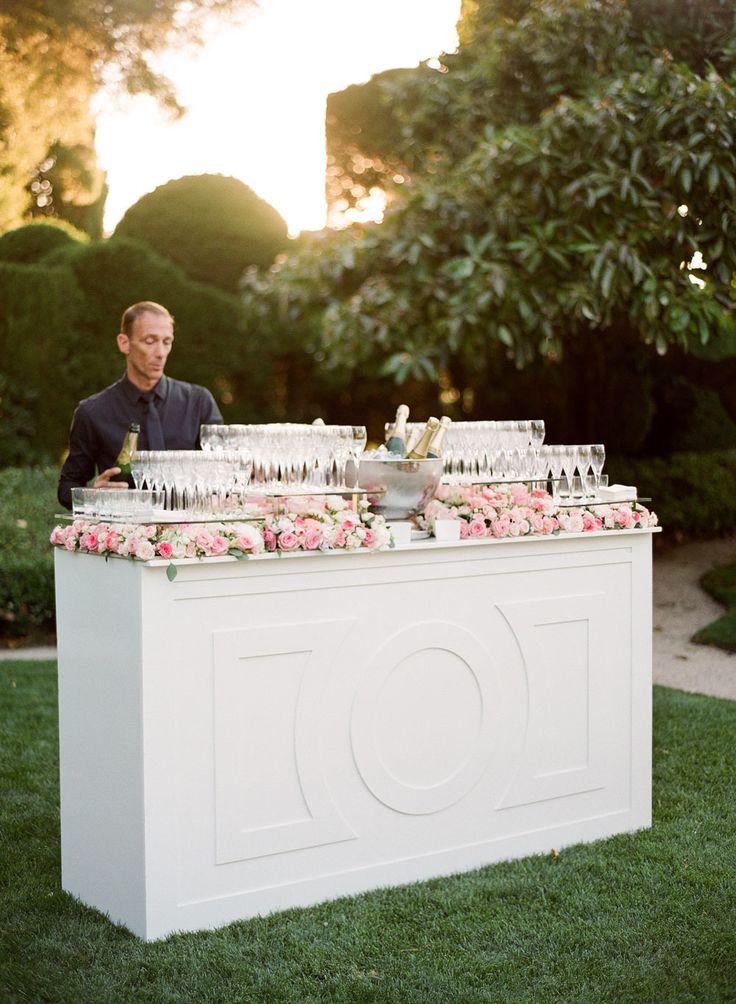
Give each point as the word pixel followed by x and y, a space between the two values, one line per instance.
pixel 508 511
pixel 309 525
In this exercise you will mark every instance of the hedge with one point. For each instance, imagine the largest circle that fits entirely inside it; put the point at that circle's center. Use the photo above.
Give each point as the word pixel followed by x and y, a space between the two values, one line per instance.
pixel 27 508
pixel 57 337
pixel 213 226
pixel 694 494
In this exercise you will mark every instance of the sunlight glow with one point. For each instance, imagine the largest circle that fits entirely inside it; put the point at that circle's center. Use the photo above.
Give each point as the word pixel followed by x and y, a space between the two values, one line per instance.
pixel 255 94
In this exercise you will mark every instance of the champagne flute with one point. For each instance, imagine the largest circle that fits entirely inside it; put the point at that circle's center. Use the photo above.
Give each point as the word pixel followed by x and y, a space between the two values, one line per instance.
pixel 597 459
pixel 357 445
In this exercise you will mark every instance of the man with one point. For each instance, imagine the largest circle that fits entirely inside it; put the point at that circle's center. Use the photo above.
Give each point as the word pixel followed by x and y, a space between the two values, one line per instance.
pixel 168 411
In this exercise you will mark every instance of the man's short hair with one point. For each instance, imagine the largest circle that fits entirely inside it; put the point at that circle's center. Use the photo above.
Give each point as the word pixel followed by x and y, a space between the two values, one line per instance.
pixel 131 315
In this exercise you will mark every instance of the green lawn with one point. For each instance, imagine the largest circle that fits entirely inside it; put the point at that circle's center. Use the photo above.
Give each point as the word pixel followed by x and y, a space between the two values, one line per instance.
pixel 720 582
pixel 637 918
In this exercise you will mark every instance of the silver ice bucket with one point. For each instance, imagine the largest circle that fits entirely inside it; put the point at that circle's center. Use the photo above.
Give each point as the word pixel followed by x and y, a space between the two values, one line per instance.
pixel 397 488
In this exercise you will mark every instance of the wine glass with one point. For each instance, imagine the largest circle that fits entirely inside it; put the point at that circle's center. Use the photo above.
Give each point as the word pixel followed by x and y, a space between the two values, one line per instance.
pixel 357 445
pixel 537 425
pixel 555 458
pixel 584 467
pixel 597 459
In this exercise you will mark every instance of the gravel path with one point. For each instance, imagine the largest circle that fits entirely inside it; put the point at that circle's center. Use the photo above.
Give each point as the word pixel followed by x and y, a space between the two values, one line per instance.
pixel 681 607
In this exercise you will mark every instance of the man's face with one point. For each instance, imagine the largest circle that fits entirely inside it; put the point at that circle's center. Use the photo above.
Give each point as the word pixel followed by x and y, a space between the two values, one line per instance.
pixel 147 349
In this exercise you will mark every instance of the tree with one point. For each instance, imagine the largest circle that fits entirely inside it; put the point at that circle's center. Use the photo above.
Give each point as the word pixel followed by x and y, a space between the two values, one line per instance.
pixel 570 171
pixel 210 225
pixel 54 54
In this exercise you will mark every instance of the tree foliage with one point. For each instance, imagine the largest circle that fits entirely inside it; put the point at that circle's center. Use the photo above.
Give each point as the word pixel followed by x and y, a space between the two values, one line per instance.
pixel 570 169
pixel 212 226
pixel 54 54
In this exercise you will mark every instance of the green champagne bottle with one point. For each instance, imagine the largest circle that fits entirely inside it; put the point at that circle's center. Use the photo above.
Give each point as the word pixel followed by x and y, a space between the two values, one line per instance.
pixel 130 445
pixel 437 442
pixel 421 450
pixel 396 441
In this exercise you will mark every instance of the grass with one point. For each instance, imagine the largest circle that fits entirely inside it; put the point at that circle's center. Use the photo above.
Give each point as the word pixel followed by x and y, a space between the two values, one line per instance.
pixel 720 582
pixel 647 917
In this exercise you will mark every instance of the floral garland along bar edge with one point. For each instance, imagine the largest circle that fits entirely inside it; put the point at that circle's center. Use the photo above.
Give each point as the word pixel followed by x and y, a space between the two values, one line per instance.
pixel 328 525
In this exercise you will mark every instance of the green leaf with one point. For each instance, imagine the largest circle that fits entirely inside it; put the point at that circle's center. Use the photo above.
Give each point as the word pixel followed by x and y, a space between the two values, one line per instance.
pixel 171 571
pixel 712 177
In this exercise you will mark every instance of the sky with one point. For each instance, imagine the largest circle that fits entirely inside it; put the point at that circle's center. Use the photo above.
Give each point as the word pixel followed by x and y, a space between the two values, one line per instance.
pixel 255 95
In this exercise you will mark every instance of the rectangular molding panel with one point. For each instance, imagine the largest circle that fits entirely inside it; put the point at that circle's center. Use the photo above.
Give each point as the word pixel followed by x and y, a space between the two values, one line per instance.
pixel 270 733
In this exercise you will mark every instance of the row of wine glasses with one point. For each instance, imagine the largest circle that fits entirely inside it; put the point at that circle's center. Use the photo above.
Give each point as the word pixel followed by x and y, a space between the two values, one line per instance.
pixel 193 481
pixel 287 455
pixel 570 467
pixel 474 461
pixel 467 443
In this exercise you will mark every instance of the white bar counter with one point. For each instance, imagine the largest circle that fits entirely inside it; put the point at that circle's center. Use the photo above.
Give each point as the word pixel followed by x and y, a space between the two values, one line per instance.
pixel 274 732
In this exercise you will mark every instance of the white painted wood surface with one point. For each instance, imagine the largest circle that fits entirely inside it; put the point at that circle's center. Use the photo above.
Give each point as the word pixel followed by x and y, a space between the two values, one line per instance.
pixel 275 732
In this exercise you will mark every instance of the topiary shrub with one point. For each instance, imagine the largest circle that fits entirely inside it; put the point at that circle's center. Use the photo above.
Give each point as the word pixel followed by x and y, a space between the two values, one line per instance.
pixel 210 225
pixel 31 244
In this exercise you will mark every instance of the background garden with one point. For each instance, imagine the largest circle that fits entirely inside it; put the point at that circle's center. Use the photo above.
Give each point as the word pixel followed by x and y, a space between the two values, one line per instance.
pixel 558 242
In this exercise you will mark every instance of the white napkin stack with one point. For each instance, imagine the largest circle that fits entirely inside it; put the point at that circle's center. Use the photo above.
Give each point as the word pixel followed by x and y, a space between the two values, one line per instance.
pixel 617 493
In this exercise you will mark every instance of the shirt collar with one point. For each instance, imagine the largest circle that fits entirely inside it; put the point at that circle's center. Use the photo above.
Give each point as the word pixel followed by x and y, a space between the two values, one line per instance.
pixel 134 394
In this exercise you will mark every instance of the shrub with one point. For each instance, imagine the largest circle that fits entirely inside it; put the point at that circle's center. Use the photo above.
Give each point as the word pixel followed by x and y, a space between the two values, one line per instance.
pixel 58 327
pixel 210 225
pixel 694 494
pixel 30 244
pixel 41 307
pixel 212 346
pixel 27 507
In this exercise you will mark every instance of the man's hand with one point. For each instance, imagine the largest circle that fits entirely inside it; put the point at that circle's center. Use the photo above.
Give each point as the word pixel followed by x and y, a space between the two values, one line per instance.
pixel 103 480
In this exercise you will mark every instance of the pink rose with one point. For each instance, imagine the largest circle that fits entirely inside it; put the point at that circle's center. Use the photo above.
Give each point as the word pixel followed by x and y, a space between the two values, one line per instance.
pixel 165 549
pixel 312 539
pixel 112 540
pixel 145 550
pixel 589 521
pixel 536 522
pixel 370 538
pixel 269 539
pixel 464 530
pixel 339 539
pixel 57 535
pixel 131 545
pixel 477 528
pixel 204 540
pixel 70 542
pixel 501 526
pixel 575 522
pixel 220 545
pixel 288 541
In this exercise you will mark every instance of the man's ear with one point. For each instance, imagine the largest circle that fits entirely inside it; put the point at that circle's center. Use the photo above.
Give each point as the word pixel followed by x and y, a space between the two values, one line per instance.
pixel 123 343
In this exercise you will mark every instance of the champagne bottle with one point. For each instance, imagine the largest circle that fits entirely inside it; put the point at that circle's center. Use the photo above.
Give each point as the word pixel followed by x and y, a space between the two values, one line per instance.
pixel 130 445
pixel 422 448
pixel 437 442
pixel 396 441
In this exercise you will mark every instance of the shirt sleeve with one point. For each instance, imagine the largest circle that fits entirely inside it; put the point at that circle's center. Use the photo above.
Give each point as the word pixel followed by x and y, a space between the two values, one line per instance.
pixel 211 414
pixel 79 465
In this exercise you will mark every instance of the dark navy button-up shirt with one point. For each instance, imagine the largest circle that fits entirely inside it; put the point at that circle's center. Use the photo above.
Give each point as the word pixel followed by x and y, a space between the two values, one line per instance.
pixel 100 423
